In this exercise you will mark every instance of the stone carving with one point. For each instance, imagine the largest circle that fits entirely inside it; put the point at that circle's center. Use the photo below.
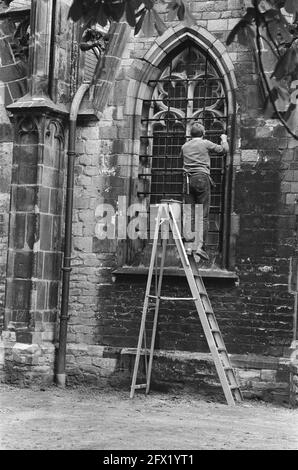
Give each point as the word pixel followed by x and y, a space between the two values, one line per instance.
pixel 27 125
pixel 95 40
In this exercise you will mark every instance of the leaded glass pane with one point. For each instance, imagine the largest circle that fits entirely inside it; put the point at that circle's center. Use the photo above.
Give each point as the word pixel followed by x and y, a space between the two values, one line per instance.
pixel 189 89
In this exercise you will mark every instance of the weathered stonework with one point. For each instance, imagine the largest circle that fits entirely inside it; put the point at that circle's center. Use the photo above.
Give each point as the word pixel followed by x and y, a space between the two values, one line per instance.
pixel 255 313
pixel 26 364
pixel 13 84
pixel 34 254
pixel 259 376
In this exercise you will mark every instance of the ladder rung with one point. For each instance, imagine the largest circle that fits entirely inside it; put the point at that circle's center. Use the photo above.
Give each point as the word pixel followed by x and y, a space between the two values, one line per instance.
pixel 221 349
pixel 140 386
pixel 234 387
pixel 162 297
pixel 203 293
pixel 209 312
pixel 215 331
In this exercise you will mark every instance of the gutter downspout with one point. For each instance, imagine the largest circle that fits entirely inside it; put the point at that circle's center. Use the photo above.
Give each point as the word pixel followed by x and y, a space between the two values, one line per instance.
pixel 66 269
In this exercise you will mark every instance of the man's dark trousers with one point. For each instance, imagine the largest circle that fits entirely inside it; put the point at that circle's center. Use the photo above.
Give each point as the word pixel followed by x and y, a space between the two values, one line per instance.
pixel 199 193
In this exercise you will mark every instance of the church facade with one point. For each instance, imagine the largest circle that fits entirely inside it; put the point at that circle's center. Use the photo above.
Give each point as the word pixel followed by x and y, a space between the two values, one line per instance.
pixel 131 102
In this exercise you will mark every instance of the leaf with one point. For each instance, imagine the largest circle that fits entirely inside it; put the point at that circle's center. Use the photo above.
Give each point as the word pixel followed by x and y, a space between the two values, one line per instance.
pixel 283 99
pixel 114 11
pixel 140 12
pixel 286 64
pixel 158 22
pixel 276 28
pixel 189 19
pixel 241 26
pixel 89 18
pixel 140 22
pixel 245 36
pixel 148 4
pixel 102 18
pixel 136 3
pixel 148 24
pixel 76 10
pixel 291 117
pixel 173 9
pixel 130 13
pixel 239 30
pixel 268 107
pixel 172 15
pixel 276 23
pixel 250 14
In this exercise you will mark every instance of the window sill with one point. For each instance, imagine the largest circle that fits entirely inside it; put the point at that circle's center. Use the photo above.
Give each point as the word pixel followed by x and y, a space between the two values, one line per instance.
pixel 126 271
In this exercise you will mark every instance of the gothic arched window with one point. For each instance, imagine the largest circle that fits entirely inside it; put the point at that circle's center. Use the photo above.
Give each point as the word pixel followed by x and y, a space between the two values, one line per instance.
pixel 189 89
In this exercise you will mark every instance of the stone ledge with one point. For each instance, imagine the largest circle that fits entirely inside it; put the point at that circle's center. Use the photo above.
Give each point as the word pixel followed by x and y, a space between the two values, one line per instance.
pixel 175 272
pixel 29 102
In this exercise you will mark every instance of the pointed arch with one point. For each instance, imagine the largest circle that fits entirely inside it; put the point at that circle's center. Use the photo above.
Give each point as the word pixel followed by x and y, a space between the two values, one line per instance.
pixel 150 66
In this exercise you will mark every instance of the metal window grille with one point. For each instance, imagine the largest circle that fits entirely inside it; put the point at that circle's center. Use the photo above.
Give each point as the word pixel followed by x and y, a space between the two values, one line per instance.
pixel 190 89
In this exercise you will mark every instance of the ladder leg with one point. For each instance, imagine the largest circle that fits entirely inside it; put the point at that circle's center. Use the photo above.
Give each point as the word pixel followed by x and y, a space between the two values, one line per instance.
pixel 146 303
pixel 162 263
pixel 210 326
pixel 145 352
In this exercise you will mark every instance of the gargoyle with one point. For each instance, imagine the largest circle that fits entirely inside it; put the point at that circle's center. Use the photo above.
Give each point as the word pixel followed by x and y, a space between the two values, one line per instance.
pixel 95 40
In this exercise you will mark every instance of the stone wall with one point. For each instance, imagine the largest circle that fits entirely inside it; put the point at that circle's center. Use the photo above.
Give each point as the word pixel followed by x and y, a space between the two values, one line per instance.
pixel 255 316
pixel 259 324
pixel 13 85
pixel 26 364
pixel 259 376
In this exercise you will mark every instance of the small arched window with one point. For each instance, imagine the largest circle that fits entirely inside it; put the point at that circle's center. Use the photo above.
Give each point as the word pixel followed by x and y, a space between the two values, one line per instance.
pixel 189 89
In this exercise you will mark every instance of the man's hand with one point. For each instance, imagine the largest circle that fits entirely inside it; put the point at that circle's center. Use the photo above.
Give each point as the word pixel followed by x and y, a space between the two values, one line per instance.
pixel 224 142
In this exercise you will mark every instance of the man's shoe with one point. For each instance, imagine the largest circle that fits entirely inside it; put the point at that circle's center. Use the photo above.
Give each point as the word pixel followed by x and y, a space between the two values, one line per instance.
pixel 202 254
pixel 188 251
pixel 188 239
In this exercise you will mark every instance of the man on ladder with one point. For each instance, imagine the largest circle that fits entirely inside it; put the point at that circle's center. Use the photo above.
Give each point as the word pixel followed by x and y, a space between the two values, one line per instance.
pixel 167 215
pixel 196 163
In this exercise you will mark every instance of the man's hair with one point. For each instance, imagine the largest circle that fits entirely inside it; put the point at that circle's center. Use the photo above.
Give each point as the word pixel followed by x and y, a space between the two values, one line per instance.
pixel 197 130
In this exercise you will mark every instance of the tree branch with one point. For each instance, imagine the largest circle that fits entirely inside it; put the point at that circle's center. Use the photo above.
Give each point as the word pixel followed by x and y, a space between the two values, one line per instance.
pixel 270 45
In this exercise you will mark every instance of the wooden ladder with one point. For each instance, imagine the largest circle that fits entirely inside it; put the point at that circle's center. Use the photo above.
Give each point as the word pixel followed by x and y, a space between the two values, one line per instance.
pixel 226 374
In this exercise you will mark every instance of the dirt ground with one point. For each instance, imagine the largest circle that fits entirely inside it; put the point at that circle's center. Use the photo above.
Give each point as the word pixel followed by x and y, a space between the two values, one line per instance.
pixel 84 418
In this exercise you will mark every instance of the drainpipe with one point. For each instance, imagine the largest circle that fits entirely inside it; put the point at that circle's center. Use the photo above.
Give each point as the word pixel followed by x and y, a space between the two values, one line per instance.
pixel 66 269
